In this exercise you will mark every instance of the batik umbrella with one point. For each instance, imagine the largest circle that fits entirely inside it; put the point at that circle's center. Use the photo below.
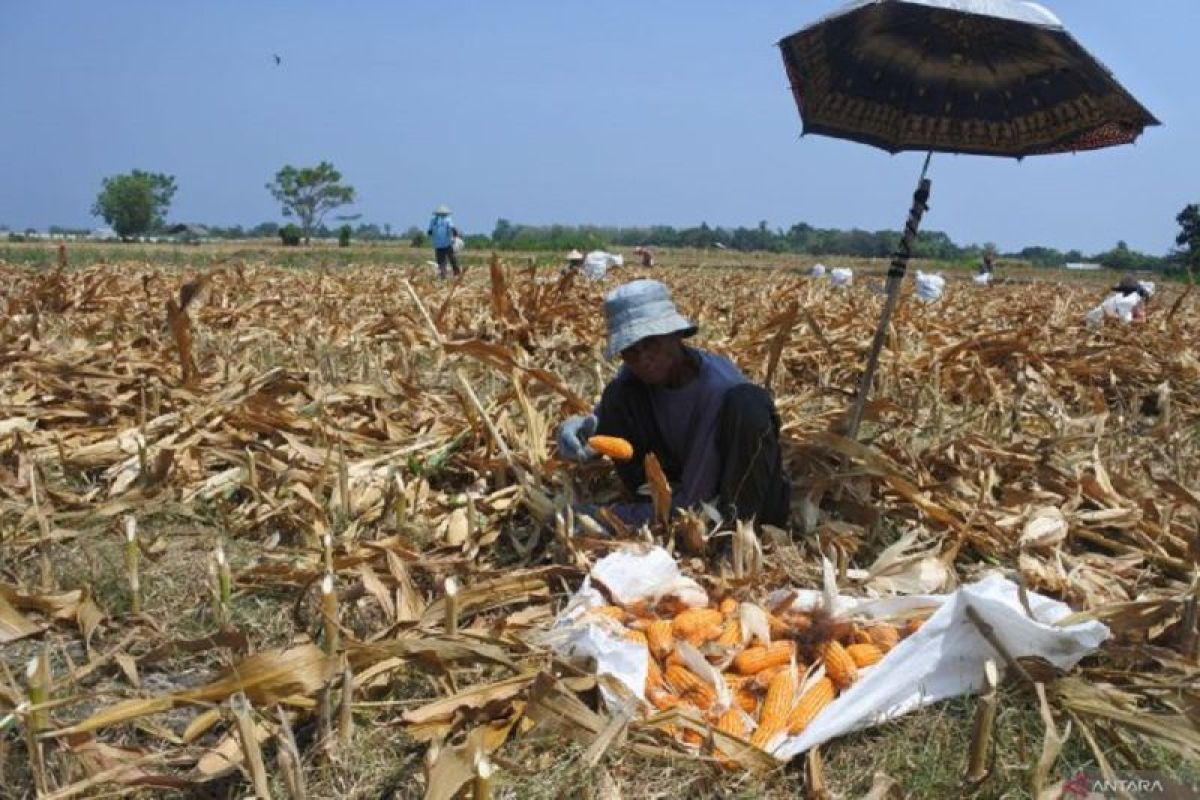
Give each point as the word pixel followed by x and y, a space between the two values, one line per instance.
pixel 987 77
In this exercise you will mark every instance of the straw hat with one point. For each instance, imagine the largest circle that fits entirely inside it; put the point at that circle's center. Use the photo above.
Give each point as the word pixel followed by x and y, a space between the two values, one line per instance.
pixel 442 211
pixel 640 309
pixel 574 255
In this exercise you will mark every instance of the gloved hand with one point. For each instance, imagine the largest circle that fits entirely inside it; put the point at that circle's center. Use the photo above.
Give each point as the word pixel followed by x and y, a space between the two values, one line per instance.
pixel 573 435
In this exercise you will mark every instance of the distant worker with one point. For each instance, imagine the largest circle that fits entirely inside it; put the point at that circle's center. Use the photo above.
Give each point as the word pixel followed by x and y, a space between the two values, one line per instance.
pixel 443 233
pixel 988 265
pixel 647 255
pixel 574 263
pixel 716 434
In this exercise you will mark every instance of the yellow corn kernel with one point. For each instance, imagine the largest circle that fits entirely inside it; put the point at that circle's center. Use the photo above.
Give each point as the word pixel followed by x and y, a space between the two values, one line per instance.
pixel 864 655
pixel 838 665
pixel 815 698
pixel 695 619
pixel 755 659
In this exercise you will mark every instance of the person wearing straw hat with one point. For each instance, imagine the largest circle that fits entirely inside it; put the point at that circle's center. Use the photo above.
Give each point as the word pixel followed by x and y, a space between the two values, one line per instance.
pixel 443 233
pixel 715 434
pixel 574 262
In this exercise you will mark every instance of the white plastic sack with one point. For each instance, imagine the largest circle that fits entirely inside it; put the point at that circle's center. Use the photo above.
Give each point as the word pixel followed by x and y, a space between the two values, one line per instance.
pixel 943 659
pixel 982 278
pixel 1094 317
pixel 818 271
pixel 1147 287
pixel 597 263
pixel 929 287
pixel 458 244
pixel 841 276
pixel 1120 306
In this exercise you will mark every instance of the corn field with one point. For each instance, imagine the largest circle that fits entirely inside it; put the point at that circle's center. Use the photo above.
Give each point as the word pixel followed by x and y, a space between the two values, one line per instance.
pixel 255 521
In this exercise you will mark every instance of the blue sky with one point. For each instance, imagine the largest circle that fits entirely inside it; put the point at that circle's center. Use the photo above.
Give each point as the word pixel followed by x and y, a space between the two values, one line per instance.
pixel 629 112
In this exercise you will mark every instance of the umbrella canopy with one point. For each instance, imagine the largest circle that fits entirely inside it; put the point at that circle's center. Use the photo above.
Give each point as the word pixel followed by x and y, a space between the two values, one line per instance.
pixel 991 77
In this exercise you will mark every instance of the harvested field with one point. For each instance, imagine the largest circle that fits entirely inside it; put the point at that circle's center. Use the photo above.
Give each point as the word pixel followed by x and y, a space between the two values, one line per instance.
pixel 256 430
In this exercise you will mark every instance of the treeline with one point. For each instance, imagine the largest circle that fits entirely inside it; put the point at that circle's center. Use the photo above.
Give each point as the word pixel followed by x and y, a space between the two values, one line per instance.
pixel 799 238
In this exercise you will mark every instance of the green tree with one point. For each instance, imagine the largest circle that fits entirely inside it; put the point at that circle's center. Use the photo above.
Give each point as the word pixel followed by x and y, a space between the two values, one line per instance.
pixel 1189 235
pixel 309 193
pixel 134 203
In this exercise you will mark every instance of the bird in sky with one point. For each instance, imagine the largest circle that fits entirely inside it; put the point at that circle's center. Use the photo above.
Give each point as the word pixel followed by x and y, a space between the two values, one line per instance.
pixel 278 60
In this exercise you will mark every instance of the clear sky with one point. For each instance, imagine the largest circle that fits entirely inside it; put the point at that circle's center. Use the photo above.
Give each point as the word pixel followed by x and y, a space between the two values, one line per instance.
pixel 629 112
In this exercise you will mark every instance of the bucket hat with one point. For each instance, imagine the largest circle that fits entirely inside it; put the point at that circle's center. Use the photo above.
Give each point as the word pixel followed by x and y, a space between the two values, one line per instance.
pixel 442 211
pixel 640 309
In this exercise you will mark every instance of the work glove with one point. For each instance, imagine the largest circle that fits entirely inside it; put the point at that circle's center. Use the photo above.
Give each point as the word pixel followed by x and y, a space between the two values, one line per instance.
pixel 573 435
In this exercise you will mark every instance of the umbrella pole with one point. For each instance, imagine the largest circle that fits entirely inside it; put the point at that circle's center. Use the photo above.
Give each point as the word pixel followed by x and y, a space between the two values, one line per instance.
pixel 895 277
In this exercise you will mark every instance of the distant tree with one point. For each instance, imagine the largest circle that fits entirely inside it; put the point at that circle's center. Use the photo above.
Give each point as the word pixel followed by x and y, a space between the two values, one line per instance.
pixel 265 230
pixel 1189 235
pixel 309 193
pixel 134 203
pixel 344 234
pixel 290 235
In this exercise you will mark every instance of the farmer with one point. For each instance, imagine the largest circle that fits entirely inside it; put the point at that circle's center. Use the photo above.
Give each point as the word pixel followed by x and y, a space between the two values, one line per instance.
pixel 574 262
pixel 988 266
pixel 1129 285
pixel 646 254
pixel 443 233
pixel 715 434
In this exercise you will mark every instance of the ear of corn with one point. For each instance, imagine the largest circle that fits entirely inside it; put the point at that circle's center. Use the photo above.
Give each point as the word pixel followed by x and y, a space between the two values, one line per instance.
pixel 654 676
pixel 731 635
pixel 695 619
pixel 663 700
pixel 660 638
pixel 690 685
pixel 885 636
pixel 612 612
pixel 781 696
pixel 732 722
pixel 838 665
pixel 614 447
pixel 864 655
pixel 755 659
pixel 728 606
pixel 706 634
pixel 814 699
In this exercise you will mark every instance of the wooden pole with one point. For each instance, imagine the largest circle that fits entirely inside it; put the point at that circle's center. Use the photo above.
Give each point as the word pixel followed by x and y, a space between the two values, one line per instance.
pixel 895 278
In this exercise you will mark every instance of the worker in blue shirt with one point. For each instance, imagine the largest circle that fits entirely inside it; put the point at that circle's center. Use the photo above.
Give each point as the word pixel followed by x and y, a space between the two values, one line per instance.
pixel 443 233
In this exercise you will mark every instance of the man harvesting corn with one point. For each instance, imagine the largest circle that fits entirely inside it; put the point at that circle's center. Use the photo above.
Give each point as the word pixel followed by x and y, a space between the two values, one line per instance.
pixel 715 434
pixel 443 233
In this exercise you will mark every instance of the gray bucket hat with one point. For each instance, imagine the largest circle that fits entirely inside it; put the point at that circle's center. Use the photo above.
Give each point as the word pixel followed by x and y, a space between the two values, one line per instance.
pixel 639 309
pixel 441 211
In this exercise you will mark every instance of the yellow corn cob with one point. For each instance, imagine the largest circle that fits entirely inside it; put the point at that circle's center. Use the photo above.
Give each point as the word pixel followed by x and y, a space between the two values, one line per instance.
pixel 692 686
pixel 654 676
pixel 663 700
pixel 815 698
pixel 912 626
pixel 612 612
pixel 777 626
pixel 885 637
pixel 756 659
pixel 728 606
pixel 745 699
pixel 838 664
pixel 733 723
pixel 781 695
pixel 861 636
pixel 660 638
pixel 706 634
pixel 761 681
pixel 637 636
pixel 864 655
pixel 731 636
pixel 695 619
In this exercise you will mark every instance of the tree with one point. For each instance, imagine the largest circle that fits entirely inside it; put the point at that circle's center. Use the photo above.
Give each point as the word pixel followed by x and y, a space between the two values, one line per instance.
pixel 309 193
pixel 1189 235
pixel 134 203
